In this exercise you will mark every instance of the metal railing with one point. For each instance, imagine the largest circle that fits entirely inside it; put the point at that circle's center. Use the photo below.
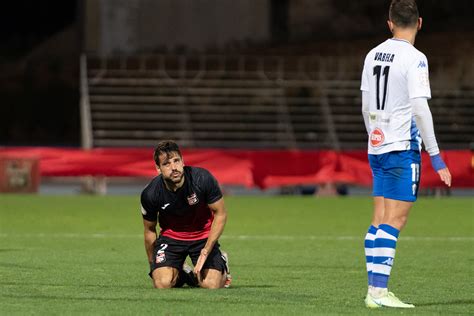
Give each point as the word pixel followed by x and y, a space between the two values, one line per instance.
pixel 85 111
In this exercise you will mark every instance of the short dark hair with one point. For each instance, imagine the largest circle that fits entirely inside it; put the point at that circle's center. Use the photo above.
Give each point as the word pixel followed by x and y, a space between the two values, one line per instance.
pixel 403 13
pixel 166 147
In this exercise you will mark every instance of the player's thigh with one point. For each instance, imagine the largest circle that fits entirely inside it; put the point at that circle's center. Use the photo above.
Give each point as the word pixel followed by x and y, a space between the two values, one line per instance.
pixel 376 165
pixel 214 260
pixel 212 279
pixel 401 176
pixel 165 277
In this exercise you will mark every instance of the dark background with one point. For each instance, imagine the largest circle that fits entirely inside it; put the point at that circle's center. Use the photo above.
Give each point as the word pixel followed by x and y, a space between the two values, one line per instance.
pixel 41 43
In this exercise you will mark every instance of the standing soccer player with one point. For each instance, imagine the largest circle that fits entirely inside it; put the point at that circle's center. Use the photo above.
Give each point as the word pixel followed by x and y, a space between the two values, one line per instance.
pixel 188 204
pixel 395 89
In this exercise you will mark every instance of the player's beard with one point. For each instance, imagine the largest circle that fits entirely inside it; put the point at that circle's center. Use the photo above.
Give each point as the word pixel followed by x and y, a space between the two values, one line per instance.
pixel 175 177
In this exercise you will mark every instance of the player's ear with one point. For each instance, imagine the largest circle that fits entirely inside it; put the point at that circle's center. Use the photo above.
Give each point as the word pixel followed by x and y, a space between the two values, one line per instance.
pixel 390 25
pixel 157 169
pixel 420 22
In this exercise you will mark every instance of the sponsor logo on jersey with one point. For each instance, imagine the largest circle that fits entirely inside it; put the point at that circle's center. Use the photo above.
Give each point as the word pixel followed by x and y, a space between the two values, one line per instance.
pixel 193 199
pixel 376 137
pixel 165 206
pixel 372 117
pixel 425 79
pixel 422 64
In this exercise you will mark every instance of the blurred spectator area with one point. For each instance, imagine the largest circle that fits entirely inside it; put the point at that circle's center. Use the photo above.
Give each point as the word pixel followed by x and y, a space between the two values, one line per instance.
pixel 255 101
pixel 258 74
pixel 215 73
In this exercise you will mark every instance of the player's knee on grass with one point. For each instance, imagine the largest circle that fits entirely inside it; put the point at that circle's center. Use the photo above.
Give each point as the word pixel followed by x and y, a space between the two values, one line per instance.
pixel 164 278
pixel 212 279
pixel 163 282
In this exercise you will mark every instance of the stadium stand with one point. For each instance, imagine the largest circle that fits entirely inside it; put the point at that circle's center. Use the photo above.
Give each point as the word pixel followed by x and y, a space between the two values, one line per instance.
pixel 256 101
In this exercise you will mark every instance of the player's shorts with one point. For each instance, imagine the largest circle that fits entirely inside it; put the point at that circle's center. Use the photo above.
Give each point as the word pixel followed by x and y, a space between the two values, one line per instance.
pixel 169 252
pixel 396 174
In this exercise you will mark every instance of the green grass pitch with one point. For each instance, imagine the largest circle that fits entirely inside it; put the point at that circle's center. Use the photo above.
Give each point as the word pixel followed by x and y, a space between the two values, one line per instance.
pixel 289 256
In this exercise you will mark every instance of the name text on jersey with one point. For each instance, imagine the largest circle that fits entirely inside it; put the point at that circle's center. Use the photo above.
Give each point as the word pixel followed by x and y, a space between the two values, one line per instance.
pixel 384 57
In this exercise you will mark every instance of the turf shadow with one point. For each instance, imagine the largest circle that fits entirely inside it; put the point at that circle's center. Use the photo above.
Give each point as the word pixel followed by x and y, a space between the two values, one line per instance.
pixel 100 299
pixel 453 302
pixel 19 266
pixel 256 286
pixel 10 249
pixel 111 286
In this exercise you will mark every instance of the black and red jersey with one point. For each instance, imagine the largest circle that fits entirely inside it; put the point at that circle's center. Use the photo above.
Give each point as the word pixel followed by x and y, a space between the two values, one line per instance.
pixel 184 214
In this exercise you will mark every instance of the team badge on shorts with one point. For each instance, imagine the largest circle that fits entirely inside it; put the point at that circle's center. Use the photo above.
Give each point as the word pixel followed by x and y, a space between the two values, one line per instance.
pixel 376 137
pixel 193 199
pixel 160 257
pixel 160 254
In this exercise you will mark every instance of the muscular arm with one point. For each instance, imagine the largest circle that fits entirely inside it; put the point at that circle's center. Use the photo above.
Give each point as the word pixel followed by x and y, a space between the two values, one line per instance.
pixel 220 218
pixel 150 237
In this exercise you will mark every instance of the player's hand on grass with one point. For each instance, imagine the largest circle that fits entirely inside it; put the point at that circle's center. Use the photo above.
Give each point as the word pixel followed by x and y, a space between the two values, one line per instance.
pixel 200 262
pixel 445 176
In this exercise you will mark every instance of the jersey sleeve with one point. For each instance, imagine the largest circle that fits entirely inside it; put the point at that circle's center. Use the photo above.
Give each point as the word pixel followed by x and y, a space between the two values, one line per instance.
pixel 211 187
pixel 148 210
pixel 418 78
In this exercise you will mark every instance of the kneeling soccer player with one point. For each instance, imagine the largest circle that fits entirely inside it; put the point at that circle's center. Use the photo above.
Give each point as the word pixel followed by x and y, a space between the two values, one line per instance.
pixel 188 204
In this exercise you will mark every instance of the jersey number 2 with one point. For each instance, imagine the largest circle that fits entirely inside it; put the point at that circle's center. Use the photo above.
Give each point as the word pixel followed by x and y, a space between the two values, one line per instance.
pixel 377 72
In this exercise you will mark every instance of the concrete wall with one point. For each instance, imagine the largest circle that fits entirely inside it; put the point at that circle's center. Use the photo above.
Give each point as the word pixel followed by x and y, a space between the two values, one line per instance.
pixel 130 26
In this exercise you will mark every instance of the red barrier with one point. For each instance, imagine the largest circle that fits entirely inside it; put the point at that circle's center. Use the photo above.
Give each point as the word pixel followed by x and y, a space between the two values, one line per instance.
pixel 250 168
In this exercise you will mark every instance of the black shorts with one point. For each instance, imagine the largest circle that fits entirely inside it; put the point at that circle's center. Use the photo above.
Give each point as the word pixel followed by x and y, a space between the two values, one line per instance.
pixel 169 252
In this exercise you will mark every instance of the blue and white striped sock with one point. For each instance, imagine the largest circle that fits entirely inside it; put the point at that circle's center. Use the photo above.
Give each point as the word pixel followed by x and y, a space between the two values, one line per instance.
pixel 369 251
pixel 384 253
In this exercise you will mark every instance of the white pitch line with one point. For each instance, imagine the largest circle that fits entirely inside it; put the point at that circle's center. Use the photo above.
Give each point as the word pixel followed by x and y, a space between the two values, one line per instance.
pixel 341 238
pixel 230 237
